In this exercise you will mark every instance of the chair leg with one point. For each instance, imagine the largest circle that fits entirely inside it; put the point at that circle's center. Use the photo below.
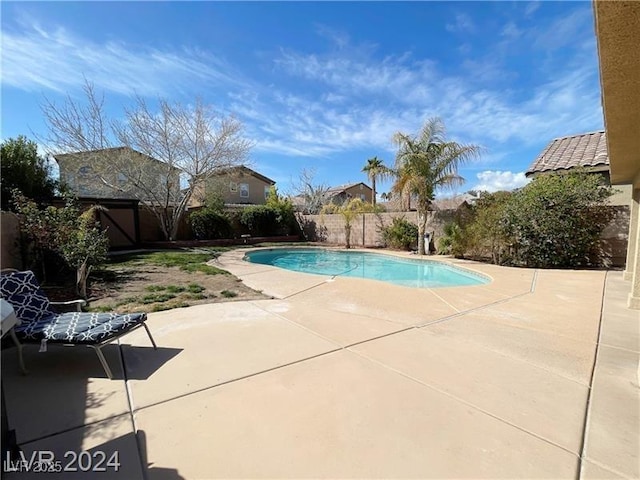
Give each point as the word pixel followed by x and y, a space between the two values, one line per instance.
pixel 155 347
pixel 103 361
pixel 14 337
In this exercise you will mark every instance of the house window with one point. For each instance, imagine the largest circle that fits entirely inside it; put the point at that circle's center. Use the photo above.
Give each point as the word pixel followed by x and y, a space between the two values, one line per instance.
pixel 267 189
pixel 233 187
pixel 244 190
pixel 361 187
pixel 122 178
pixel 362 197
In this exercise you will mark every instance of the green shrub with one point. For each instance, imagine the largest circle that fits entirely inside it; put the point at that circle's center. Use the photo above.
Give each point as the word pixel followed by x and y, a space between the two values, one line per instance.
pixel 554 221
pixel 401 234
pixel 260 220
pixel 487 236
pixel 276 217
pixel 209 223
pixel 557 220
pixel 454 240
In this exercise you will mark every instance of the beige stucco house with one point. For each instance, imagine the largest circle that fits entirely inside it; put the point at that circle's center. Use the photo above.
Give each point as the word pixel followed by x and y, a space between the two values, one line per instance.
pixel 119 172
pixel 342 193
pixel 237 186
pixel 617 26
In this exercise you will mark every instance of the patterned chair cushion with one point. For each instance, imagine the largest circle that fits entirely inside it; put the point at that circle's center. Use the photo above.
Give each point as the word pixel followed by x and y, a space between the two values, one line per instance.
pixel 22 291
pixel 79 327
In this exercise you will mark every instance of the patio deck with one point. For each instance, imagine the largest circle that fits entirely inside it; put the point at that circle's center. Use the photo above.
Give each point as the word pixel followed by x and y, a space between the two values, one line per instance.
pixel 534 375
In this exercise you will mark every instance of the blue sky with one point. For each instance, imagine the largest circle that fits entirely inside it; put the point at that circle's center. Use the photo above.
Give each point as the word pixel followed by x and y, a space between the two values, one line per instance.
pixel 322 85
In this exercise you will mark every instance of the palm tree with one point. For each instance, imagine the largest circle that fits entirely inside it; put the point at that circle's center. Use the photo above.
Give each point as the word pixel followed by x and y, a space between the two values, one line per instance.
pixel 349 210
pixel 375 168
pixel 426 162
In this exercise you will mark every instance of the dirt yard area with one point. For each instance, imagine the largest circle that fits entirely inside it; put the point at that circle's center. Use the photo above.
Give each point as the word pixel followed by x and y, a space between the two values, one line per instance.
pixel 154 281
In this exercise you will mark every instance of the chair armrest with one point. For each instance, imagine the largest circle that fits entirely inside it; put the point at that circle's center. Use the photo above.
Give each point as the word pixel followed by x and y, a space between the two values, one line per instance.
pixel 78 304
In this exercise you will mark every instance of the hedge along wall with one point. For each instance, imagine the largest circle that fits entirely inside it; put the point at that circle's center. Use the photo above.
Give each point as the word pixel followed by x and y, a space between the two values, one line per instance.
pixel 330 228
pixel 10 241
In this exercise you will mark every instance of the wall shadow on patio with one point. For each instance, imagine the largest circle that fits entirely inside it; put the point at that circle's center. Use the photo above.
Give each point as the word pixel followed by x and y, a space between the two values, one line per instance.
pixel 151 472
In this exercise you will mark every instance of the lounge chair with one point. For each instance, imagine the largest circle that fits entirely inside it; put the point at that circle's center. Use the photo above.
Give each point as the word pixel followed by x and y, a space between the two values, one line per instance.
pixel 41 324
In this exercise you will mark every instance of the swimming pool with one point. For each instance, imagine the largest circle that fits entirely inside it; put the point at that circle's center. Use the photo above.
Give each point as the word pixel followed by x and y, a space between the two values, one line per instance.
pixel 374 266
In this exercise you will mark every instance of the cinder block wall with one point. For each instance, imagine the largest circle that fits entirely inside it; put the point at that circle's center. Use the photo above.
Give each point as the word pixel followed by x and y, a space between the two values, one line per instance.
pixel 365 228
pixel 330 229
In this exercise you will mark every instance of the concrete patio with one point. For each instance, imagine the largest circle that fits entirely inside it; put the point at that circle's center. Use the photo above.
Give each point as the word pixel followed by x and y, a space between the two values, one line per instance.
pixel 534 375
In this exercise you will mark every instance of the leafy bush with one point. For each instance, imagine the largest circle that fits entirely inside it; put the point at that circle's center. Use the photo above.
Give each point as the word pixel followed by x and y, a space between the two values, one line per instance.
pixel 24 170
pixel 277 217
pixel 487 236
pixel 557 220
pixel 554 221
pixel 285 212
pixel 453 242
pixel 74 236
pixel 260 220
pixel 209 223
pixel 401 234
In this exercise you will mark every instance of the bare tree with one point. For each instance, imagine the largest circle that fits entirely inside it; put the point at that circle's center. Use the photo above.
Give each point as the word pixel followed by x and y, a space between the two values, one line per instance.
pixel 159 156
pixel 312 193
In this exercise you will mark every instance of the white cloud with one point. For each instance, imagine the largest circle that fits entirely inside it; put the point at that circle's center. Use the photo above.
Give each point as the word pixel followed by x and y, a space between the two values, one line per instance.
pixel 362 99
pixel 338 38
pixel 511 30
pixel 463 24
pixel 40 57
pixel 531 8
pixel 563 31
pixel 494 181
pixel 403 92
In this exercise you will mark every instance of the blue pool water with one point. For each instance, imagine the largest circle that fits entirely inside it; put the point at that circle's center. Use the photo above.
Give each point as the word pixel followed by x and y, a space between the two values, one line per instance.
pixel 409 273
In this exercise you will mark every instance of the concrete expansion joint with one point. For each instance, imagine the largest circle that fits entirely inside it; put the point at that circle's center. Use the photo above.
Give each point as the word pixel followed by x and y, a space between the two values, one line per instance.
pixel 466 403
pixel 471 310
pixel 533 281
pixel 304 290
pixel 237 379
pixel 607 468
pixel 587 409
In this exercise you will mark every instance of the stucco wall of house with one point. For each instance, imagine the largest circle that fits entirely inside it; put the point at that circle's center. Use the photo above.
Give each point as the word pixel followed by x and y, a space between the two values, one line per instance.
pixel 621 195
pixel 356 190
pixel 225 184
pixel 84 173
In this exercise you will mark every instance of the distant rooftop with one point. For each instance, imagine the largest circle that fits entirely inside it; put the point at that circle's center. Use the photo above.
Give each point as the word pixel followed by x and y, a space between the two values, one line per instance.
pixel 341 188
pixel 585 150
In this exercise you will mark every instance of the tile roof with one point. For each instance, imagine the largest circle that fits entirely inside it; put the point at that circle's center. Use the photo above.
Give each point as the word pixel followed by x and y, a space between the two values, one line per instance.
pixel 341 188
pixel 586 150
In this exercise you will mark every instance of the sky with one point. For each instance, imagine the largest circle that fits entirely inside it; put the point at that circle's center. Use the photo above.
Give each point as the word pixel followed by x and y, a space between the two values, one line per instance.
pixel 321 86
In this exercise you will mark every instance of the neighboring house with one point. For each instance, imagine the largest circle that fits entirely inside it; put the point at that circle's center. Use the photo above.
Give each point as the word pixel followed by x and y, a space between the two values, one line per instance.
pixel 339 195
pixel 588 151
pixel 454 202
pixel 237 185
pixel 118 173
